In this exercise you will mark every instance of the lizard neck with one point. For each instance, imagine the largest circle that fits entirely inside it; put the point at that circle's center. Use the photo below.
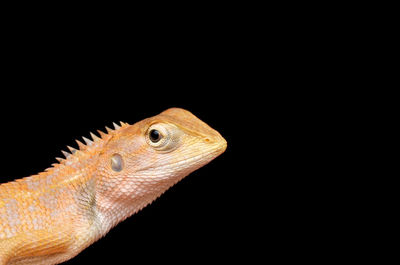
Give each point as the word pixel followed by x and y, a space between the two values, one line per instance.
pixel 115 205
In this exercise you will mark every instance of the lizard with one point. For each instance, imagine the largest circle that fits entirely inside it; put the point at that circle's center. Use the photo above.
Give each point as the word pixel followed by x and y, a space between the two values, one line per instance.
pixel 51 217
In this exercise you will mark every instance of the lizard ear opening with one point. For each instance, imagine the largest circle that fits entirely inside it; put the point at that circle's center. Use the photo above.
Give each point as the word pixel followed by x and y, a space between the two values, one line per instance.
pixel 117 163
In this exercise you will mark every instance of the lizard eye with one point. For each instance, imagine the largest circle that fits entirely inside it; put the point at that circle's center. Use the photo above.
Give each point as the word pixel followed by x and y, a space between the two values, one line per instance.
pixel 155 135
pixel 162 137
pixel 117 163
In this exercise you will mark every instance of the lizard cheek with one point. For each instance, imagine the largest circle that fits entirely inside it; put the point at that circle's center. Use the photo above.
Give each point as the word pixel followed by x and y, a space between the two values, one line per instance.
pixel 117 163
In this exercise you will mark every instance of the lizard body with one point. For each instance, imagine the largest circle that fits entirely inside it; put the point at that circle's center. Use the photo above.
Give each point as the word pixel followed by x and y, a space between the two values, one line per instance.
pixel 51 217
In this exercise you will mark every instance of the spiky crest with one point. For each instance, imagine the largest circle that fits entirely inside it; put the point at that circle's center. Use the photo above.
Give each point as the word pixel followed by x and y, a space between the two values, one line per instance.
pixel 77 159
pixel 86 151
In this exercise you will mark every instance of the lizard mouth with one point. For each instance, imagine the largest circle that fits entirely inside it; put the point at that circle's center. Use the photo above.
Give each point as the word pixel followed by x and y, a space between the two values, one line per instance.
pixel 193 162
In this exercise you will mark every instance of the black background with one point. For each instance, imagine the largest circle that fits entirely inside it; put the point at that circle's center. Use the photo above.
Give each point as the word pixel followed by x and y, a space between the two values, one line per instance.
pixel 55 94
pixel 251 77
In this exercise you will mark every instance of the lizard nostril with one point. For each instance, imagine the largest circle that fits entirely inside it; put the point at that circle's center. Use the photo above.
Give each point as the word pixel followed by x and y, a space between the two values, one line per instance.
pixel 207 140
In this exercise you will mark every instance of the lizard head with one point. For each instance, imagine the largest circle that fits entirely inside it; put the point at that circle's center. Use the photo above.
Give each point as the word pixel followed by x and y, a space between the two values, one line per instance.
pixel 142 160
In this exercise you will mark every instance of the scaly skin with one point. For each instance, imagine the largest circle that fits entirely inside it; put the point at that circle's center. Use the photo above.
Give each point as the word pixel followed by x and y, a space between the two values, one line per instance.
pixel 51 217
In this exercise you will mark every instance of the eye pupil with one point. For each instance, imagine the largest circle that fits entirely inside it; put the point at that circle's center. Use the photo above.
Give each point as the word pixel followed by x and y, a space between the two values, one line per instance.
pixel 155 136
